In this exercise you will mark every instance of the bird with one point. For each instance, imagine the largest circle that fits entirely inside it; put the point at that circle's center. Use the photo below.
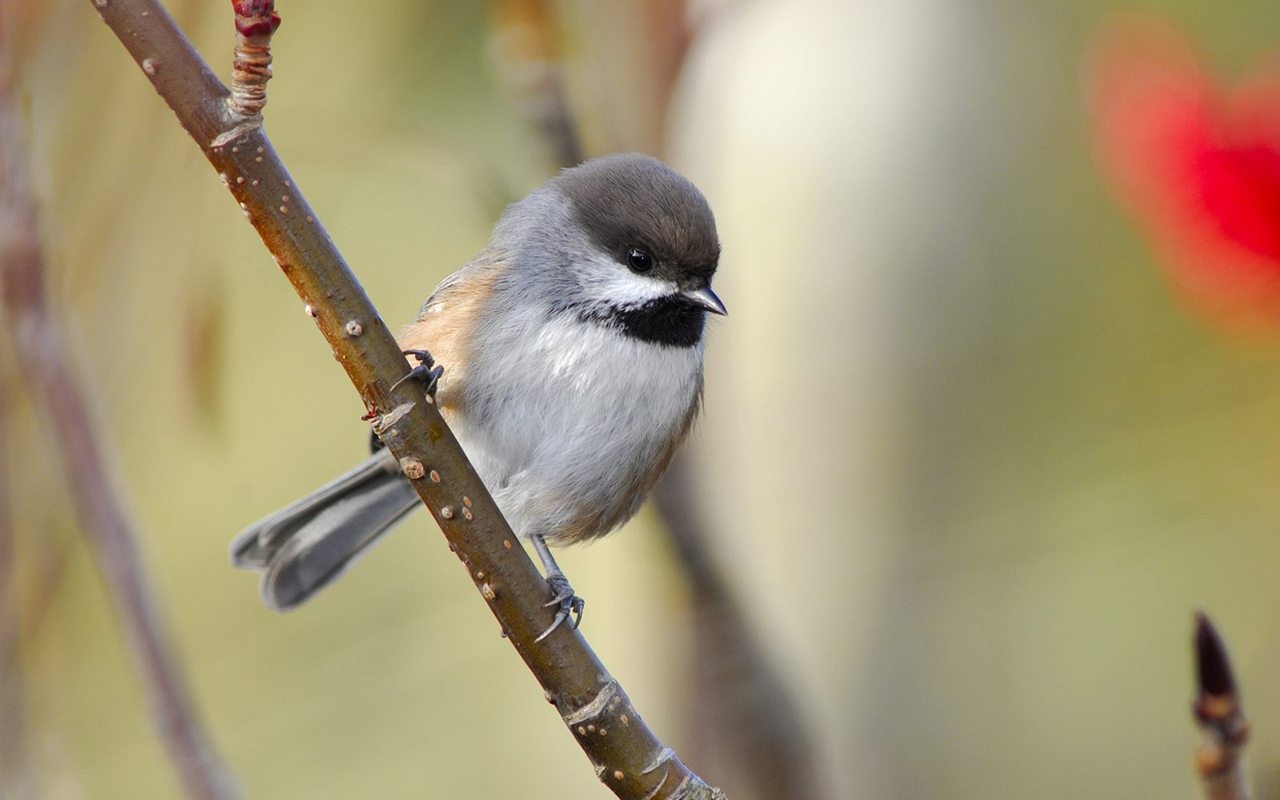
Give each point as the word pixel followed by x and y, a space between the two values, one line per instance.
pixel 567 358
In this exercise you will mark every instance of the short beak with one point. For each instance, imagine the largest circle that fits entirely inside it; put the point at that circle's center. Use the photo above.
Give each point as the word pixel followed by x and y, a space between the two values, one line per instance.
pixel 707 299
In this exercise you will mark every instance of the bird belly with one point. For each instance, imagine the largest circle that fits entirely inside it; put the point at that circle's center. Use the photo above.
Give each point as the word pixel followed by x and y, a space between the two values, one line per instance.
pixel 572 425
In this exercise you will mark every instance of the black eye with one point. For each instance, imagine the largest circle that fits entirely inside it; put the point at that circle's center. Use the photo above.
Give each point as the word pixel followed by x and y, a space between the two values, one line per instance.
pixel 639 260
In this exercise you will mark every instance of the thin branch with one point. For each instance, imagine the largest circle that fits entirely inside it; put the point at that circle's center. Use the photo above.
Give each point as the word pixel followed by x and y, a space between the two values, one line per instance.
pixel 526 50
pixel 627 756
pixel 1220 717
pixel 753 727
pixel 13 733
pixel 13 738
pixel 256 21
pixel 52 380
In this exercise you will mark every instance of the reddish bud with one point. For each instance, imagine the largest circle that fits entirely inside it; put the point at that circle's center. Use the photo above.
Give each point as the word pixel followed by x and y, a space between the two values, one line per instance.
pixel 255 17
pixel 1214 675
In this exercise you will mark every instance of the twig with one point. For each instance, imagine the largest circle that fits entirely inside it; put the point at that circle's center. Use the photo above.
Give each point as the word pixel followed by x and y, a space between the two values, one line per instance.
pixel 51 378
pixel 753 727
pixel 13 751
pixel 670 19
pixel 1220 717
pixel 527 54
pixel 256 21
pixel 627 756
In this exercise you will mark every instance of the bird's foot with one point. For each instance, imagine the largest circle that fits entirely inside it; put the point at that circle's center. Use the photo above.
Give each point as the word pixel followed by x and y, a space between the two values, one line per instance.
pixel 427 372
pixel 566 603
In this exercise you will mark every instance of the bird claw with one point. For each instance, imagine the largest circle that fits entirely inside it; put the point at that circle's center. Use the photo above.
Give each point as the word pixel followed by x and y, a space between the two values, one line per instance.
pixel 568 603
pixel 427 372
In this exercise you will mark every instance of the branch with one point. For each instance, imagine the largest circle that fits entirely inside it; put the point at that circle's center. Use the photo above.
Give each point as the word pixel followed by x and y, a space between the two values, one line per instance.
pixel 13 751
pixel 754 723
pixel 1220 717
pixel 256 21
pixel 51 377
pixel 13 728
pixel 627 756
pixel 526 53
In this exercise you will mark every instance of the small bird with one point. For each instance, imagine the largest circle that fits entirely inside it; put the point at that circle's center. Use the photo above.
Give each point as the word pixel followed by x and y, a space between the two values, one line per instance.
pixel 567 359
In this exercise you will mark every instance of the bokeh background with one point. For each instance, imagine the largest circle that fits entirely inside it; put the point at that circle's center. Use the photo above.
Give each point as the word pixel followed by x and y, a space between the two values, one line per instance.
pixel 974 446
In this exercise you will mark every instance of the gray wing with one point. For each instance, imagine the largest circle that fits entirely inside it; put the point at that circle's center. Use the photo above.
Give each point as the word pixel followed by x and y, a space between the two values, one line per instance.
pixel 304 546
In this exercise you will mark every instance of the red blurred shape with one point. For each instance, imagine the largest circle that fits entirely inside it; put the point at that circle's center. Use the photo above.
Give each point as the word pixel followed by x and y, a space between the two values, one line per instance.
pixel 1199 165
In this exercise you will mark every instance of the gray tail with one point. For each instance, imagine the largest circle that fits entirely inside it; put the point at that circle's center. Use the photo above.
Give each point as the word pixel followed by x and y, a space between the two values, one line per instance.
pixel 304 546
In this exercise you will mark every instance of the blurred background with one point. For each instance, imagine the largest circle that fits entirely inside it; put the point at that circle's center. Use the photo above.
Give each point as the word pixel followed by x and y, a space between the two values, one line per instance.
pixel 996 408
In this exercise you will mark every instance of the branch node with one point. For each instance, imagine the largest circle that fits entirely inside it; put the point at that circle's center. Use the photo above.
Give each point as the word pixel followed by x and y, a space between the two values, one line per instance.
pixel 664 755
pixel 382 426
pixel 654 792
pixel 244 126
pixel 593 709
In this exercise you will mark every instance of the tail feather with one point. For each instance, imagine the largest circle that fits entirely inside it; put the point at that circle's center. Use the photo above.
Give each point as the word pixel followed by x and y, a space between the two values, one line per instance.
pixel 304 546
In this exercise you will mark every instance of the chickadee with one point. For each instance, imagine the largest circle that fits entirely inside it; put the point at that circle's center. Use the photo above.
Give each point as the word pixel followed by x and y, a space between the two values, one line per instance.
pixel 573 345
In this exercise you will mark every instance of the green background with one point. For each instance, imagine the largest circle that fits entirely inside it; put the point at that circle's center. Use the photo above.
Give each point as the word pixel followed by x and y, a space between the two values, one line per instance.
pixel 970 463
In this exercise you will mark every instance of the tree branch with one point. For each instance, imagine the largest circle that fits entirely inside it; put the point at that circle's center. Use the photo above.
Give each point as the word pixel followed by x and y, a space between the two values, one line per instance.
pixel 1220 717
pixel 526 52
pixel 627 756
pixel 754 723
pixel 13 727
pixel 51 377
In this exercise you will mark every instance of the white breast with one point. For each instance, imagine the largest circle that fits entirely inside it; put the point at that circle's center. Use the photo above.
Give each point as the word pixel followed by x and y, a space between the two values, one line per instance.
pixel 563 414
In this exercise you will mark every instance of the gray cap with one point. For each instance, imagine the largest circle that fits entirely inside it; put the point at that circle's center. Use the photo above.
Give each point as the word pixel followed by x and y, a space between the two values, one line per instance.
pixel 633 200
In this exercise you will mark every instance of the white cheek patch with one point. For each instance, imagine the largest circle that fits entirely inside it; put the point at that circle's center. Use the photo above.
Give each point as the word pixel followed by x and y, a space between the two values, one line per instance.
pixel 610 283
